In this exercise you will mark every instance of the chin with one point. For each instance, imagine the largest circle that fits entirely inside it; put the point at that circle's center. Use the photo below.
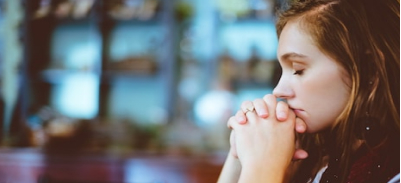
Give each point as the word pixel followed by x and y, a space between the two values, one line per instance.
pixel 311 131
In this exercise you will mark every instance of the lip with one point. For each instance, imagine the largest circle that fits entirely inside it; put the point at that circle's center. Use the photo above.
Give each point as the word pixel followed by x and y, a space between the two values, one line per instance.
pixel 297 112
pixel 295 109
pixel 301 114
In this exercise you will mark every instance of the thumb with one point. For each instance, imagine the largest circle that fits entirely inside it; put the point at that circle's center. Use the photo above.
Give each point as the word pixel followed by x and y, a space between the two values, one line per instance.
pixel 299 154
pixel 300 125
pixel 233 149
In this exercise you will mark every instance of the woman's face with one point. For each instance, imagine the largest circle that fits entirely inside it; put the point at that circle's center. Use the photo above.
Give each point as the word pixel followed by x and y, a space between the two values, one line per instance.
pixel 312 83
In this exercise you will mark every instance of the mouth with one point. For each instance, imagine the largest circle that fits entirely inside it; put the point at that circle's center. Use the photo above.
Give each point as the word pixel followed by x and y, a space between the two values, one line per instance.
pixel 301 114
pixel 297 111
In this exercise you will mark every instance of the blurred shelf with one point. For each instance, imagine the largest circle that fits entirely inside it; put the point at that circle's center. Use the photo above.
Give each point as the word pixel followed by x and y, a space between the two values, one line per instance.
pixel 155 20
pixel 248 20
pixel 111 75
pixel 251 84
pixel 66 20
pixel 136 65
pixel 93 18
pixel 56 76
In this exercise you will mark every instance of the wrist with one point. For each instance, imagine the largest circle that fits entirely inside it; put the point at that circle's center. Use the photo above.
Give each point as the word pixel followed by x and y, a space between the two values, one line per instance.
pixel 258 172
pixel 231 170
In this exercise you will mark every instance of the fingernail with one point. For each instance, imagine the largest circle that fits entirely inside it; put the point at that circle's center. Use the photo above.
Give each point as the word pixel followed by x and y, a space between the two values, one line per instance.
pixel 263 114
pixel 301 128
pixel 241 119
pixel 281 115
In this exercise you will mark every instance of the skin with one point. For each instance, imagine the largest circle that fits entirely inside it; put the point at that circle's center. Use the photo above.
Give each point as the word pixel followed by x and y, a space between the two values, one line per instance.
pixel 313 84
pixel 316 90
pixel 278 142
pixel 261 109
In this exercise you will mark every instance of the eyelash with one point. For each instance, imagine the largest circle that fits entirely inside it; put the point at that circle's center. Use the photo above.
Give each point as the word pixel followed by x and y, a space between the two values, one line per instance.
pixel 299 72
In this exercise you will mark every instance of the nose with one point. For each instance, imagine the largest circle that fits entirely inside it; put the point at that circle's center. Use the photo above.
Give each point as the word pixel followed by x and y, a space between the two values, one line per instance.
pixel 283 89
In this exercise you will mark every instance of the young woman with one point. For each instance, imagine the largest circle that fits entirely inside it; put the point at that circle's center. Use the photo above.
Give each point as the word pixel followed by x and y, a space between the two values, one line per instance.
pixel 340 84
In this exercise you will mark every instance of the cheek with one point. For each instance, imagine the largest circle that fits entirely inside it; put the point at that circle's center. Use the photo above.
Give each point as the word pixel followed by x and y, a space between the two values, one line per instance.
pixel 325 98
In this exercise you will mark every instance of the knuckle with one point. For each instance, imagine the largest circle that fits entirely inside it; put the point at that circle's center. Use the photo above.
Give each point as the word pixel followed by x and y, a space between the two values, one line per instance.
pixel 257 100
pixel 269 99
pixel 230 121
pixel 256 104
pixel 246 102
pixel 268 96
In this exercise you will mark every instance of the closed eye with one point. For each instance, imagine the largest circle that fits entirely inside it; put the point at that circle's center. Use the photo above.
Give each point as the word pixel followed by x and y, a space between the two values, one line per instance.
pixel 298 72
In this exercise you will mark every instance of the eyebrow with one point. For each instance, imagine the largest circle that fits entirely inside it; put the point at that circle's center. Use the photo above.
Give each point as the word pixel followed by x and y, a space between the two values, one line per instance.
pixel 292 55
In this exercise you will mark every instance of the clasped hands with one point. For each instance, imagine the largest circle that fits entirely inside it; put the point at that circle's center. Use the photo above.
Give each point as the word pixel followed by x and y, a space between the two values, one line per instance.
pixel 264 133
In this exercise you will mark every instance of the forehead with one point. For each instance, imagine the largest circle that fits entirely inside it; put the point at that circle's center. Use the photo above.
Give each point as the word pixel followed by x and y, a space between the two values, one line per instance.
pixel 295 42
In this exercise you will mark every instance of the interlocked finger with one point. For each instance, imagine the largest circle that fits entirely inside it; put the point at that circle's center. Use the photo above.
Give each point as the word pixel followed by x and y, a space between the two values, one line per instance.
pixel 261 108
pixel 282 111
pixel 271 103
pixel 247 106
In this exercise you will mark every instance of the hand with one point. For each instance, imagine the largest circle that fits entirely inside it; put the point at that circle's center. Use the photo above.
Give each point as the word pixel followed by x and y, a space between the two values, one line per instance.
pixel 233 149
pixel 265 141
pixel 262 111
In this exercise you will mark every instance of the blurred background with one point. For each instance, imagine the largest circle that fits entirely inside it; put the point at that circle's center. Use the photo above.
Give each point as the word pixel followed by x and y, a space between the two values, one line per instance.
pixel 128 90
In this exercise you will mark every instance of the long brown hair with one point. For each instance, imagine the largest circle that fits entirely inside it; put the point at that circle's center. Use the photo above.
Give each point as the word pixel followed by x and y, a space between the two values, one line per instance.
pixel 363 36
